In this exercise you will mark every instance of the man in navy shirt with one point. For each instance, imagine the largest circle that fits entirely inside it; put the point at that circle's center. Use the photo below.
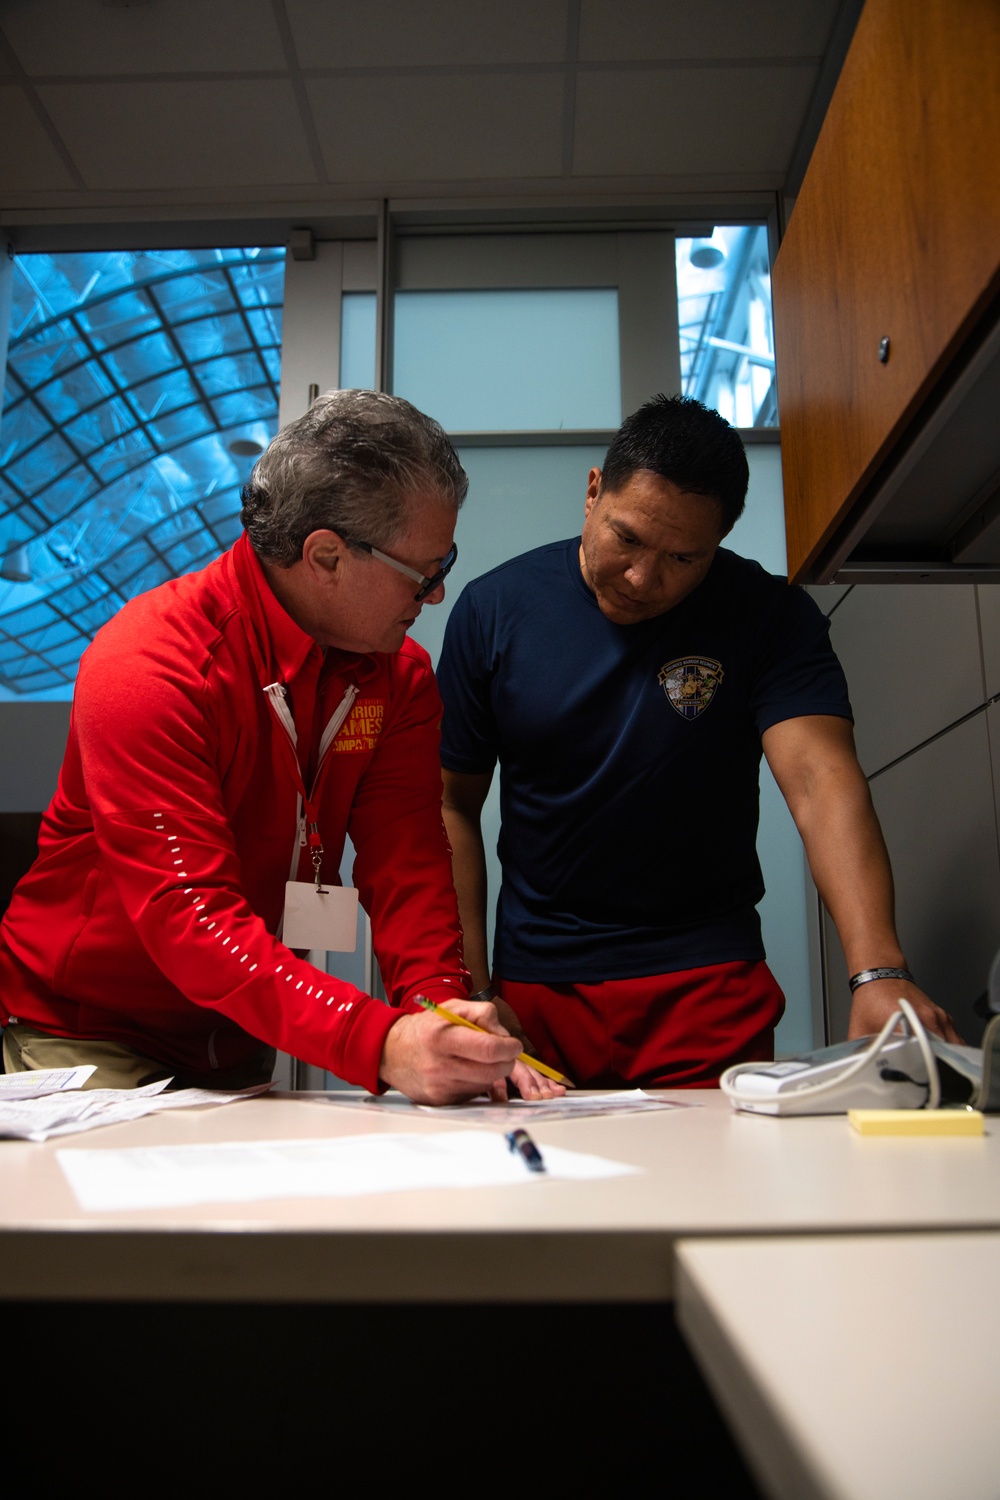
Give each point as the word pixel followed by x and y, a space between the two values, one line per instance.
pixel 627 682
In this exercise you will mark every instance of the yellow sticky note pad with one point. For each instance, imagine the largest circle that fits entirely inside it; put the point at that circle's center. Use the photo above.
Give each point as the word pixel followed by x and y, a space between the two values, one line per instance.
pixel 916 1121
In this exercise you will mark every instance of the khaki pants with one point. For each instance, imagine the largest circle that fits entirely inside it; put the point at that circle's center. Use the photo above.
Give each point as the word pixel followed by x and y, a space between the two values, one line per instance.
pixel 117 1066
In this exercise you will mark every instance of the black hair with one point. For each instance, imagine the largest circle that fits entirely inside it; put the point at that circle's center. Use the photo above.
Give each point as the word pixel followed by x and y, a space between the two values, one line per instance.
pixel 685 442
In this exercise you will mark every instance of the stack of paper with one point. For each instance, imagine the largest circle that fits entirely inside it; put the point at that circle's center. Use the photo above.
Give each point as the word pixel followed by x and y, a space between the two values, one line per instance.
pixel 33 1084
pixel 52 1101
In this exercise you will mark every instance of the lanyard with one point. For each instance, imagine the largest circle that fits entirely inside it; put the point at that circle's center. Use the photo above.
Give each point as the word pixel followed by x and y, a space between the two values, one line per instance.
pixel 306 812
pixel 306 816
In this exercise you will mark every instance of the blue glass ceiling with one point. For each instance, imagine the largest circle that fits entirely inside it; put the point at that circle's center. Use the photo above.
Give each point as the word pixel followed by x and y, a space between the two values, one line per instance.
pixel 141 385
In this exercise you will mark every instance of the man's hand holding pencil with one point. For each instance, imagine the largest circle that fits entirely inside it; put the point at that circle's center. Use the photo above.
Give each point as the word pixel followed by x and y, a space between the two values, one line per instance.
pixel 455 1051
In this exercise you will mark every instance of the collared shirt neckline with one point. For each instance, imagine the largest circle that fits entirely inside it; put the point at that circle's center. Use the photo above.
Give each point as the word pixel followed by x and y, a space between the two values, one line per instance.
pixel 289 645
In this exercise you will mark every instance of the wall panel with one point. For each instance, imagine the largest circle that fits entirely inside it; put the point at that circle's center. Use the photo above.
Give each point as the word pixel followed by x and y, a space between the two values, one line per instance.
pixel 989 625
pixel 828 595
pixel 32 741
pixel 938 816
pixel 911 654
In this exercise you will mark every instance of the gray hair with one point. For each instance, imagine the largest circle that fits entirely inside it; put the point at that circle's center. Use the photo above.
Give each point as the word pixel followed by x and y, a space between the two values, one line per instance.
pixel 351 465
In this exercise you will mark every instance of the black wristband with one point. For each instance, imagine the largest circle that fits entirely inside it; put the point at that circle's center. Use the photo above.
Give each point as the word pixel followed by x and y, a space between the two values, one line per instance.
pixel 489 993
pixel 867 975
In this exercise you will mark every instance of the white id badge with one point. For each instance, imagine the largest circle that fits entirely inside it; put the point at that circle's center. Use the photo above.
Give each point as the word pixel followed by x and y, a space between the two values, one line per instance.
pixel 326 919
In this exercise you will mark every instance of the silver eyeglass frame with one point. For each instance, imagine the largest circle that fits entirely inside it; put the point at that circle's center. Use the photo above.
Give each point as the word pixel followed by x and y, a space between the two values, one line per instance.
pixel 427 585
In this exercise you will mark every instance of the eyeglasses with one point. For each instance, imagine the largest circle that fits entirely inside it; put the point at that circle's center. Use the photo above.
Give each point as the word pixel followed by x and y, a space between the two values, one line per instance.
pixel 427 585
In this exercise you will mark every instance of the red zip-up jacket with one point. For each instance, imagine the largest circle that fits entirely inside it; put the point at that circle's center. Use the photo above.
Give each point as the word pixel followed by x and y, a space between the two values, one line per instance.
pixel 149 916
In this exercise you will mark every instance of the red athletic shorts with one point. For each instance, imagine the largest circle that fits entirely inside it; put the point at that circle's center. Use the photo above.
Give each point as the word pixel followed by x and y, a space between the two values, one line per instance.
pixel 662 1031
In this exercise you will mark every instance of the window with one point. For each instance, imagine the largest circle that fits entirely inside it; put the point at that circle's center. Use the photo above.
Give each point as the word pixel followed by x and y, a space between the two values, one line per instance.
pixel 357 341
pixel 510 359
pixel 726 332
pixel 140 388
pixel 510 332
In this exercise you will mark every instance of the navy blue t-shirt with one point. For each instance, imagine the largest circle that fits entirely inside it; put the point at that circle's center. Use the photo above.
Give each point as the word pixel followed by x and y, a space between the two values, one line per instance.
pixel 629 758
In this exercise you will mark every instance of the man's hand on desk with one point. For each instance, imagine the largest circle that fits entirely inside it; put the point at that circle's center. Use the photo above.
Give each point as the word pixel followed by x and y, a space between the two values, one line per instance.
pixel 433 1062
pixel 875 1002
pixel 529 1084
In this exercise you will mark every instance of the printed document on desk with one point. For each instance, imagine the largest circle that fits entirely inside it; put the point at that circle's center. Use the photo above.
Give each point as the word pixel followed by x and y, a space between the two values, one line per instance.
pixel 250 1172
pixel 33 1083
pixel 515 1111
pixel 68 1113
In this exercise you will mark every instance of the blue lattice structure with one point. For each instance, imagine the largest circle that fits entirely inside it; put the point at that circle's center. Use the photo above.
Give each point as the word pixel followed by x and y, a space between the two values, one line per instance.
pixel 726 331
pixel 140 388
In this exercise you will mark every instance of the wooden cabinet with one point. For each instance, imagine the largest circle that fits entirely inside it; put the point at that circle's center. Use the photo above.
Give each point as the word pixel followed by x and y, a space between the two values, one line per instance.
pixel 895 236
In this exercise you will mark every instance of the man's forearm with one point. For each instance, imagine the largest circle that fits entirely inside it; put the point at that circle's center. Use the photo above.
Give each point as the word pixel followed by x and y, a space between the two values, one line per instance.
pixel 469 867
pixel 850 865
pixel 815 765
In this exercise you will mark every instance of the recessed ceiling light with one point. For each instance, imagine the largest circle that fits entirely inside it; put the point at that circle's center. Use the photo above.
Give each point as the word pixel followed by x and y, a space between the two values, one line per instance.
pixel 245 448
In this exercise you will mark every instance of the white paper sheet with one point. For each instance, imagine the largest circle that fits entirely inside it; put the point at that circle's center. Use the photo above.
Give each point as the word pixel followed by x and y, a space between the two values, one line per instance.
pixel 66 1114
pixel 567 1107
pixel 515 1111
pixel 244 1172
pixel 34 1083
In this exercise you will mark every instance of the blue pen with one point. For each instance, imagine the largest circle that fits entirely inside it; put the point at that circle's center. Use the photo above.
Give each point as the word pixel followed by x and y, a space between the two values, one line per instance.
pixel 521 1142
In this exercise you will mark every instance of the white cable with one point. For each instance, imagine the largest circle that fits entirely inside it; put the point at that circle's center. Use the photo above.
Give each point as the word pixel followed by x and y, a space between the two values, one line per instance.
pixel 906 1012
pixel 926 1052
pixel 818 1088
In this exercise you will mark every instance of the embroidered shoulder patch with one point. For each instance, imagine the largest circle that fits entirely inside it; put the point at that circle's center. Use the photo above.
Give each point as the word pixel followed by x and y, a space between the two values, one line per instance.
pixel 361 728
pixel 690 683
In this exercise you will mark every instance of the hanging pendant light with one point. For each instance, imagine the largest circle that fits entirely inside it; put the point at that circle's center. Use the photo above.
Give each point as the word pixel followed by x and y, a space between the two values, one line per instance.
pixel 245 447
pixel 706 255
pixel 16 567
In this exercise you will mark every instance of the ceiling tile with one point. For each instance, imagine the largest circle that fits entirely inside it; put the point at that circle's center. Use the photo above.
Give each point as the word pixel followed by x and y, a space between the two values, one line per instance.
pixel 54 37
pixel 386 33
pixel 426 129
pixel 654 30
pixel 28 159
pixel 166 135
pixel 687 121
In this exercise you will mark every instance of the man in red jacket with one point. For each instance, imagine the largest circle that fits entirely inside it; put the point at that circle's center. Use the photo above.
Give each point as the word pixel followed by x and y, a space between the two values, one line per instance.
pixel 229 729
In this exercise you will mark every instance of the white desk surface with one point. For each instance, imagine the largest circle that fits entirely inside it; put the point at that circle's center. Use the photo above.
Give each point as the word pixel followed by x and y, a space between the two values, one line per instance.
pixel 853 1368
pixel 706 1171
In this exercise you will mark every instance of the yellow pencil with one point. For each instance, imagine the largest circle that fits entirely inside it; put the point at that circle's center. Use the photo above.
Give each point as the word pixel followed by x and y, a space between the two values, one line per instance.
pixel 449 1015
